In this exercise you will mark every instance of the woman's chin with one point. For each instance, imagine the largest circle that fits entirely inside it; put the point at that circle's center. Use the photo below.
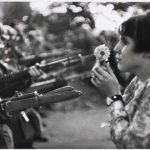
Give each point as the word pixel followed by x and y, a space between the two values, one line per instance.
pixel 121 68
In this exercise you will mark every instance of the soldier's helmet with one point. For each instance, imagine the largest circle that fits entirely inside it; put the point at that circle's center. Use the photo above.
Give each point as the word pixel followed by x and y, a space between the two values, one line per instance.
pixel 3 36
pixel 10 32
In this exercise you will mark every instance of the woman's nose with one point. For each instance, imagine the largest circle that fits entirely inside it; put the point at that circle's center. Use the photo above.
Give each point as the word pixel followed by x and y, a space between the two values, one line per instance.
pixel 117 48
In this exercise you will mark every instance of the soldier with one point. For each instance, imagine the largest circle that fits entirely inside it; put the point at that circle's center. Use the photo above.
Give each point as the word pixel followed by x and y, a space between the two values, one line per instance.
pixel 6 135
pixel 22 119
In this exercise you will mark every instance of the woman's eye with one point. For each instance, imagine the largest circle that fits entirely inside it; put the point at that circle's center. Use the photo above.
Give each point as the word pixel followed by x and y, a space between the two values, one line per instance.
pixel 124 41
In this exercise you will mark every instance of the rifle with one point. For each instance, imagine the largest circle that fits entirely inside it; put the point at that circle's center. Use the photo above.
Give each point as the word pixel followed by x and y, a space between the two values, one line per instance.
pixel 46 86
pixel 65 62
pixel 56 82
pixel 25 101
pixel 33 59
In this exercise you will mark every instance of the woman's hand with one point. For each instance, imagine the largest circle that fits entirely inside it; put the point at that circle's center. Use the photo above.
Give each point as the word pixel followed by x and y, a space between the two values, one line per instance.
pixel 105 80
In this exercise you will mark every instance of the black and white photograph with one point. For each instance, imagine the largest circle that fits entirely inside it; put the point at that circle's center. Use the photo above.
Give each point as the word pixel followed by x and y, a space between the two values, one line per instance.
pixel 74 74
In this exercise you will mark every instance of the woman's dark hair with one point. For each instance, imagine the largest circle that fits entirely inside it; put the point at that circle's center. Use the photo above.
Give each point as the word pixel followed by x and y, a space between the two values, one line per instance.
pixel 138 28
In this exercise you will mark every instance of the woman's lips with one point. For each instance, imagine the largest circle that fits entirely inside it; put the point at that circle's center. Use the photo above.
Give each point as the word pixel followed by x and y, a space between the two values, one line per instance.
pixel 118 58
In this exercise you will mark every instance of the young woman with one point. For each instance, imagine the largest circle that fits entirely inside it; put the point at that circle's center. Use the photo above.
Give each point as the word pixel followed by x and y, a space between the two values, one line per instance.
pixel 129 112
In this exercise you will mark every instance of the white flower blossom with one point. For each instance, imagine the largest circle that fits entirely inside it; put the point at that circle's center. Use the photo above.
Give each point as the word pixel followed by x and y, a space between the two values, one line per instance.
pixel 102 53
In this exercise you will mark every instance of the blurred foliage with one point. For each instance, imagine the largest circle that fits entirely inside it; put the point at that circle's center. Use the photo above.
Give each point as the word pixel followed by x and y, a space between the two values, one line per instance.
pixel 65 29
pixel 124 6
pixel 60 22
pixel 68 30
pixel 15 10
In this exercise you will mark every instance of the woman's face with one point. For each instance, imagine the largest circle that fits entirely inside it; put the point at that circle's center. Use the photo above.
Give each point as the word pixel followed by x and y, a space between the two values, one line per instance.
pixel 127 59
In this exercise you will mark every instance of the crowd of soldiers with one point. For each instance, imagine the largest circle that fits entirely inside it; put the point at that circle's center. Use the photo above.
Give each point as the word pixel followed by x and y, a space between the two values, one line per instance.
pixel 18 40
pixel 21 129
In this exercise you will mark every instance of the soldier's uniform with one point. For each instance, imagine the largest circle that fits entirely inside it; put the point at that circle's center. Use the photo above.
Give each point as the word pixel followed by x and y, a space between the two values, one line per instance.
pixel 6 136
pixel 30 120
pixel 22 129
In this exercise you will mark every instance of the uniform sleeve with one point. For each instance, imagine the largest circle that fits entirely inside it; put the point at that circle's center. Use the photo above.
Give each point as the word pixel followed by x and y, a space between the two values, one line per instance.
pixel 7 89
pixel 135 132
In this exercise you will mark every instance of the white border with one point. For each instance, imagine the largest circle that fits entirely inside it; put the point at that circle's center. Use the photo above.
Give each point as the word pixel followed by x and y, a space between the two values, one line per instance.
pixel 122 1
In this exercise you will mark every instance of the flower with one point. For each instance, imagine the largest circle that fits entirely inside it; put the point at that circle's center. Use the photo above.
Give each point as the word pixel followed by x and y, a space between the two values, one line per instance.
pixel 102 53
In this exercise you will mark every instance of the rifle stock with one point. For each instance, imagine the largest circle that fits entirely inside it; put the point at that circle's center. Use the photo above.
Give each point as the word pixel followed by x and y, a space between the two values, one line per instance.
pixel 36 99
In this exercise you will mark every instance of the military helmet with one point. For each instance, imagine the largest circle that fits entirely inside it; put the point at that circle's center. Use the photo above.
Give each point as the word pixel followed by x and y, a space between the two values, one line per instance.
pixel 2 35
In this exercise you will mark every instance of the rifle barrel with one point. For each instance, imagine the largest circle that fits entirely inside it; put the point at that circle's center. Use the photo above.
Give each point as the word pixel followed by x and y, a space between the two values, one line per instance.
pixel 63 89
pixel 59 62
pixel 33 59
